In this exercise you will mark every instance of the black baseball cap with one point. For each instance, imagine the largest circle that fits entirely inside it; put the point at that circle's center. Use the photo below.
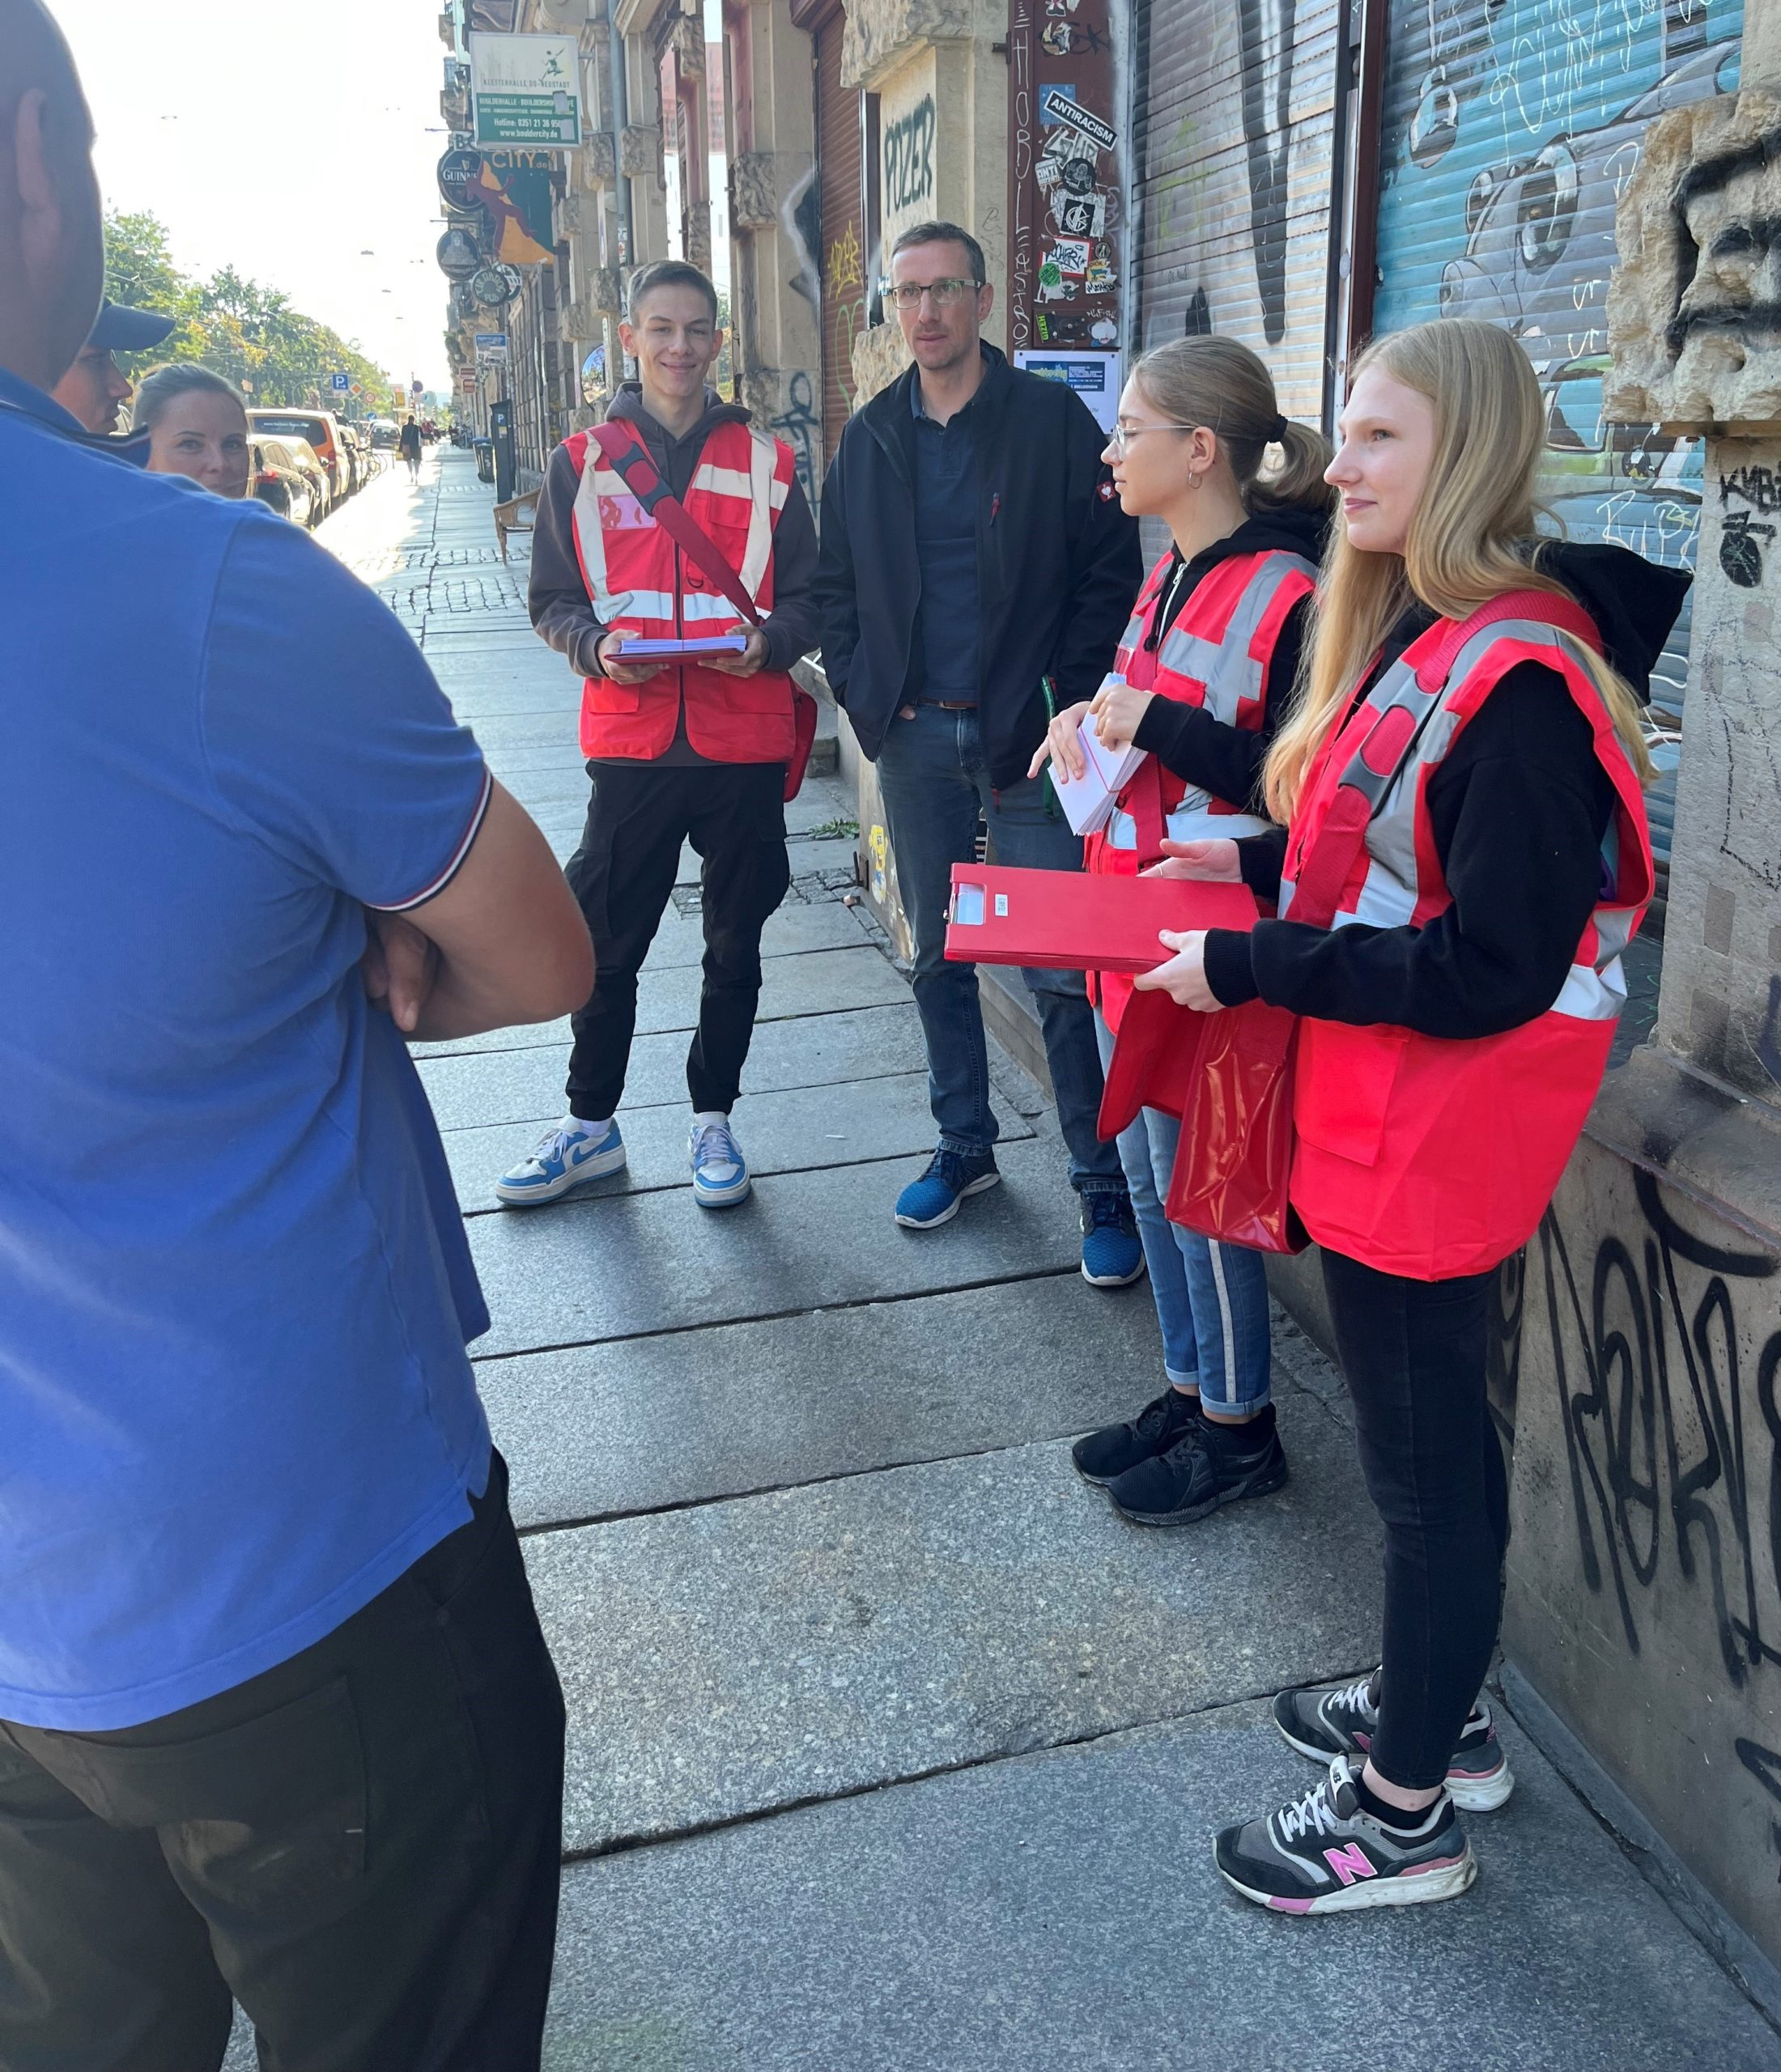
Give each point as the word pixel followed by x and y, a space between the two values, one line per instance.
pixel 117 329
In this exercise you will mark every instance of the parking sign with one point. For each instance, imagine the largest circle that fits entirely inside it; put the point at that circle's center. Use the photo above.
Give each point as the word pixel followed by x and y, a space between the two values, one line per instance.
pixel 340 383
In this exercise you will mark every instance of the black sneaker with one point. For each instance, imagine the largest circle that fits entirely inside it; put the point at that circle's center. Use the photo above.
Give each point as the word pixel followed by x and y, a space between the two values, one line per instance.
pixel 1321 1723
pixel 1196 1475
pixel 1102 1455
pixel 1325 1854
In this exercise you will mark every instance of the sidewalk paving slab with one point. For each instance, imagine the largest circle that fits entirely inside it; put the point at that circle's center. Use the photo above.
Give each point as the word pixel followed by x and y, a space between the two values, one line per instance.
pixel 635 1264
pixel 1061 1913
pixel 652 1423
pixel 820 1640
pixel 470 1088
pixel 793 1132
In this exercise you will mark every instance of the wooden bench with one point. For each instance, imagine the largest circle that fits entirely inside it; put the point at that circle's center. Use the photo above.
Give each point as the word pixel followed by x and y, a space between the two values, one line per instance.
pixel 519 514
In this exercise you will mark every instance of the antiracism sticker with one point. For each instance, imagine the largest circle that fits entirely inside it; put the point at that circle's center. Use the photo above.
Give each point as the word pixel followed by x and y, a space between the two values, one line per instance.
pixel 1058 105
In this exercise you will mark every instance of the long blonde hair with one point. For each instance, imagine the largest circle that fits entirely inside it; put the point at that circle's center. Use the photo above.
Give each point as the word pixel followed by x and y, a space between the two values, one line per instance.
pixel 1469 538
pixel 1221 383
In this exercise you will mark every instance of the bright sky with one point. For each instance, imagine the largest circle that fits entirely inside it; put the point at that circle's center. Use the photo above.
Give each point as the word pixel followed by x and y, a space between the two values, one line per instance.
pixel 288 142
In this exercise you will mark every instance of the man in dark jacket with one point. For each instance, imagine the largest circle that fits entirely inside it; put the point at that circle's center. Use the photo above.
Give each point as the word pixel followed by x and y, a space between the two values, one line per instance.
pixel 971 550
pixel 693 752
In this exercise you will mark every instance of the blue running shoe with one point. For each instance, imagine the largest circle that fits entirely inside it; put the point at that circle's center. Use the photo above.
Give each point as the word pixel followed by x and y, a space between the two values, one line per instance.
pixel 568 1154
pixel 719 1171
pixel 1113 1255
pixel 934 1199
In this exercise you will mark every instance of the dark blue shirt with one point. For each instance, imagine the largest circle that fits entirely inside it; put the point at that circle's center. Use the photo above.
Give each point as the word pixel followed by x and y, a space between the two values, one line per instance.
pixel 234 1286
pixel 946 620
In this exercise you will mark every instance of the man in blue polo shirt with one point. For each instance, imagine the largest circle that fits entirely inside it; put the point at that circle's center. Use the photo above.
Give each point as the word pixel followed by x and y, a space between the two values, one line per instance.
pixel 276 1716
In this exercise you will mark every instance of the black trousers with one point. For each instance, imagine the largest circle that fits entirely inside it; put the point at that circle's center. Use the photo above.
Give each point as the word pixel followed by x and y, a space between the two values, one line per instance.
pixel 364 1844
pixel 623 874
pixel 1413 1352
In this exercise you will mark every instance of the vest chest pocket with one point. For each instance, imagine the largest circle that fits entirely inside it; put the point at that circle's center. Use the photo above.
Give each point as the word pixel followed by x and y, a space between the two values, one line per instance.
pixel 1343 1086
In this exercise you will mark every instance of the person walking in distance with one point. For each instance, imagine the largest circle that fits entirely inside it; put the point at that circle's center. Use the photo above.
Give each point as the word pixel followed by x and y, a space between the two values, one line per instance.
pixel 278 1724
pixel 1204 673
pixel 676 751
pixel 1463 778
pixel 974 562
pixel 408 441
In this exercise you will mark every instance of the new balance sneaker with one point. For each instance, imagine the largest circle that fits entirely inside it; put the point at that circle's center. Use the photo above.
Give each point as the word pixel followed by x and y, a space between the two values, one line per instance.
pixel 1113 1254
pixel 1100 1456
pixel 568 1155
pixel 1320 1724
pixel 719 1171
pixel 934 1199
pixel 1324 1853
pixel 1203 1470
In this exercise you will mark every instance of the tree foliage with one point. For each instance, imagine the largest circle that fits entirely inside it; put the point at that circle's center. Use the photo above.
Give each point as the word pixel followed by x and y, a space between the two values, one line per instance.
pixel 245 331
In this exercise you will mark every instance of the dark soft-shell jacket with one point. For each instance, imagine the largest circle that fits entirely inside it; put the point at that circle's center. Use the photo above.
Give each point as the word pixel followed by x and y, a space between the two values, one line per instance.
pixel 1058 561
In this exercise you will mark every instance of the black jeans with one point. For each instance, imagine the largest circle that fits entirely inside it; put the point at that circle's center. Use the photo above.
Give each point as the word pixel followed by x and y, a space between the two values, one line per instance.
pixel 623 874
pixel 1413 1352
pixel 364 1844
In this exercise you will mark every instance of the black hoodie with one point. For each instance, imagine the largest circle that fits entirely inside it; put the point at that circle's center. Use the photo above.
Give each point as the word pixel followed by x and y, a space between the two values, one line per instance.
pixel 1517 810
pixel 1223 760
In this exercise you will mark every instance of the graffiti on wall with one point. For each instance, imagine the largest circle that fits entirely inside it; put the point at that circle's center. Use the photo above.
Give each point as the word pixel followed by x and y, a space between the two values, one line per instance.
pixel 1065 196
pixel 844 299
pixel 1666 1356
pixel 1267 127
pixel 906 173
pixel 802 429
pixel 1511 127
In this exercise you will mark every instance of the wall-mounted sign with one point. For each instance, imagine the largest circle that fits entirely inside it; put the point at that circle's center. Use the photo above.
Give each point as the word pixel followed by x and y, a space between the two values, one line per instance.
pixel 1095 377
pixel 457 255
pixel 492 346
pixel 493 287
pixel 514 188
pixel 524 89
pixel 459 171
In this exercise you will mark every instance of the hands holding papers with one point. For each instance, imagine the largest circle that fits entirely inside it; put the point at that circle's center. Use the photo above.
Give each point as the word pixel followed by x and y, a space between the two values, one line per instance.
pixel 1089 746
pixel 1184 976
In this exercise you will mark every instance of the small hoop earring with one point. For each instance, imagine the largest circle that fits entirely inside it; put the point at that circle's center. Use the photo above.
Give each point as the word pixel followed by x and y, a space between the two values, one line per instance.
pixel 1193 482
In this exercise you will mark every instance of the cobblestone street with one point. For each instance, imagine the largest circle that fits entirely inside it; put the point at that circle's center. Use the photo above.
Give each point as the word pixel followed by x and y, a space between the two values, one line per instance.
pixel 890 1748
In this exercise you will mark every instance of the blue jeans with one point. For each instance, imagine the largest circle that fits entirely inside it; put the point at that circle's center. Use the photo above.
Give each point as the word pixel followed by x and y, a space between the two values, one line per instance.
pixel 1211 1299
pixel 932 777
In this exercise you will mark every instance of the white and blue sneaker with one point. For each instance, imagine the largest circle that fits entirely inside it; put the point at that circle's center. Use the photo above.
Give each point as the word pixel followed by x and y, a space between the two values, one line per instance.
pixel 719 1171
pixel 568 1154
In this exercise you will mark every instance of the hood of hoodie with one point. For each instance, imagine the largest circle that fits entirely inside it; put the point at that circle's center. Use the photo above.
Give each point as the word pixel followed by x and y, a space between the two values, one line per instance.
pixel 1636 603
pixel 1283 529
pixel 628 403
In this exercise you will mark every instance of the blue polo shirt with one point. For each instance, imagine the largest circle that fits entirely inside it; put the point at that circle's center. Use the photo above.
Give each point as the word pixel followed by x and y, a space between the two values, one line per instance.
pixel 235 1293
pixel 947 632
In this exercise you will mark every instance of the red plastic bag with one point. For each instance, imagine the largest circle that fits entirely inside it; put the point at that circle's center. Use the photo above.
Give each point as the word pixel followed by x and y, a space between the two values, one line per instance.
pixel 1234 1162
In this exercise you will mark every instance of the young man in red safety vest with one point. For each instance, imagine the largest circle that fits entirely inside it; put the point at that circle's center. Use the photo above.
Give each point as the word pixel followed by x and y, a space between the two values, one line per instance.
pixel 686 750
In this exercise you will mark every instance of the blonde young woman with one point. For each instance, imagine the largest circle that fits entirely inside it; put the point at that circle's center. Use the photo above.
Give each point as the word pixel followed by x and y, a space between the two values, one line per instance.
pixel 1464 796
pixel 1203 674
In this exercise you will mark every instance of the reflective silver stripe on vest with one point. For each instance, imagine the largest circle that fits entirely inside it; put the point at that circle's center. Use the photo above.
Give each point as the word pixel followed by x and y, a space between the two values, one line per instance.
pixel 1187 823
pixel 1388 896
pixel 1230 672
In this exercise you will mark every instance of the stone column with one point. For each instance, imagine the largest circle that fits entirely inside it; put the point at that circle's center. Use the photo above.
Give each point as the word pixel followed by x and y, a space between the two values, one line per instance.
pixel 775 283
pixel 1644 1604
pixel 941 79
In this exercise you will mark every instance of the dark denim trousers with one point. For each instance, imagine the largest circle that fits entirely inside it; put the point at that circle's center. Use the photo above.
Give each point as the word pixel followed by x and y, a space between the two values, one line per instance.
pixel 931 775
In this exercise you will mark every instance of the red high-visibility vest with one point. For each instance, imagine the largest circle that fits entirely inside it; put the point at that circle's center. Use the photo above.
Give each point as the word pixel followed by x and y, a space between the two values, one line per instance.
pixel 1217 654
pixel 1419 1155
pixel 637 579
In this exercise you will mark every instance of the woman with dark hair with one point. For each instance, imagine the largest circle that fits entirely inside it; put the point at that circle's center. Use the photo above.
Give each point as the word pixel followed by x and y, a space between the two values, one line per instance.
pixel 197 425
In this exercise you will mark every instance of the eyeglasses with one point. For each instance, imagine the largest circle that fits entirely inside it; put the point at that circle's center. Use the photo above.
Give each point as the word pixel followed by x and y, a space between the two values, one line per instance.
pixel 906 295
pixel 1120 437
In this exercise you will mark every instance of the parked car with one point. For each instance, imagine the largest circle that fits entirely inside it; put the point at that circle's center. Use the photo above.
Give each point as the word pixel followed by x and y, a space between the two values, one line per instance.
pixel 295 488
pixel 383 433
pixel 321 429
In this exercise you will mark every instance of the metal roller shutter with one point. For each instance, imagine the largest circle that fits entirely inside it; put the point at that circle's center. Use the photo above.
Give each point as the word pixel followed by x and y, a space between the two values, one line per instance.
pixel 1233 126
pixel 1510 127
pixel 839 191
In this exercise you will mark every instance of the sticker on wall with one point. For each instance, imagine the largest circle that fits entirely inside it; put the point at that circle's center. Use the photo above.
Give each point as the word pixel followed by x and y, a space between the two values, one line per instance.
pixel 1070 40
pixel 1080 216
pixel 1057 105
pixel 1075 175
pixel 1104 331
pixel 1098 280
pixel 1070 255
pixel 1061 6
pixel 1054 286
